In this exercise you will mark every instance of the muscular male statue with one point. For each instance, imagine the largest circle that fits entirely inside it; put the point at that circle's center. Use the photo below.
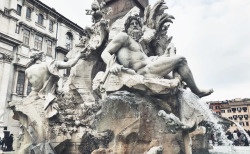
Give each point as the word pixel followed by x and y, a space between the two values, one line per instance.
pixel 43 75
pixel 130 54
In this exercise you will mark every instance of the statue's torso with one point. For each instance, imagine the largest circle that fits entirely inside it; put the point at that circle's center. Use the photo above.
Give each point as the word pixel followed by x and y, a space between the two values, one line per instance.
pixel 37 75
pixel 131 55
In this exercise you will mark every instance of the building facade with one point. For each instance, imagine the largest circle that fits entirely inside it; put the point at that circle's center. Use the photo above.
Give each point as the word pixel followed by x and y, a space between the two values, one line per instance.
pixel 237 110
pixel 27 26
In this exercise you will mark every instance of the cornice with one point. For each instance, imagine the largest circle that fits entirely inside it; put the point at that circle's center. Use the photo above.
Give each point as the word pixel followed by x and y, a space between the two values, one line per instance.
pixel 62 50
pixel 6 13
pixel 9 40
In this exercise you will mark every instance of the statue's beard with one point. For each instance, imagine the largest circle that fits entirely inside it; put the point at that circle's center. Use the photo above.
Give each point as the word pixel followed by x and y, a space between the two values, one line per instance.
pixel 135 34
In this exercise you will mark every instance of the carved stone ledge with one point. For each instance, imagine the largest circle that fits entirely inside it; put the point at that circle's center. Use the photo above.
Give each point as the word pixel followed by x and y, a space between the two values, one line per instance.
pixel 149 85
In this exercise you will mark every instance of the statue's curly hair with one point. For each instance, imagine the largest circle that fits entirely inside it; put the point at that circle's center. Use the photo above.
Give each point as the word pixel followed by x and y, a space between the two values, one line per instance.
pixel 129 19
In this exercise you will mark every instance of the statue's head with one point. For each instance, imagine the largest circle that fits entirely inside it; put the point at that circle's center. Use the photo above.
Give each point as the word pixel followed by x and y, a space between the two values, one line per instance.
pixel 130 19
pixel 37 56
pixel 95 6
pixel 133 27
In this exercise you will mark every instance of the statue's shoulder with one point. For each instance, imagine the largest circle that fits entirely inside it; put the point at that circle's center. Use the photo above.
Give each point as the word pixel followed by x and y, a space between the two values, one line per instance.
pixel 122 36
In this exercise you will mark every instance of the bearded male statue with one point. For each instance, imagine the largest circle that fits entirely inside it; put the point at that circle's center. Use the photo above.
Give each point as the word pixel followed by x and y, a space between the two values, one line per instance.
pixel 130 54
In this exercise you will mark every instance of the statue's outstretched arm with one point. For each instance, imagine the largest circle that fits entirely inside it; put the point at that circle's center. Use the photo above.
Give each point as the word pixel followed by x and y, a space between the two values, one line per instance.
pixel 70 63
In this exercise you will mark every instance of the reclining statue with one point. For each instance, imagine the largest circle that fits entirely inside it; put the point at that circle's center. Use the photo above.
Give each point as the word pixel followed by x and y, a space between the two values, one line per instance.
pixel 129 54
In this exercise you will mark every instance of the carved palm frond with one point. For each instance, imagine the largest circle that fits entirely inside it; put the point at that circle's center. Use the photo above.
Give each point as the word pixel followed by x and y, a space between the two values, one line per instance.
pixel 160 20
pixel 154 18
pixel 146 15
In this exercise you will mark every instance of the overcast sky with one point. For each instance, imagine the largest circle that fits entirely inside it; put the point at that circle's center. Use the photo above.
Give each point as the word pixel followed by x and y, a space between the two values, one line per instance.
pixel 214 36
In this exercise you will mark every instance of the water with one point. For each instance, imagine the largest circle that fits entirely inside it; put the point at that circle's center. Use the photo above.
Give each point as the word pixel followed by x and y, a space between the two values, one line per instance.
pixel 187 97
pixel 241 129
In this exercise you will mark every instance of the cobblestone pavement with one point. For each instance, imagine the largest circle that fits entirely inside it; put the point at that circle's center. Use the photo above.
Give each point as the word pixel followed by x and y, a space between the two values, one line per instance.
pixel 9 152
pixel 230 150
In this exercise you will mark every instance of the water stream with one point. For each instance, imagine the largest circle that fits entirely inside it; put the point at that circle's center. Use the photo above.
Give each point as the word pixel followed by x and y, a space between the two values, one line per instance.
pixel 202 109
pixel 241 129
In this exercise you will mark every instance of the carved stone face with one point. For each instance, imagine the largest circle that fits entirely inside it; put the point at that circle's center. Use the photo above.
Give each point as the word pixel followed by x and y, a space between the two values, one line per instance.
pixel 135 30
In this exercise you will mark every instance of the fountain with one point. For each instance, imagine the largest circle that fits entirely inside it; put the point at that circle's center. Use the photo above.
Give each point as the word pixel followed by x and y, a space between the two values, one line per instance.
pixel 129 106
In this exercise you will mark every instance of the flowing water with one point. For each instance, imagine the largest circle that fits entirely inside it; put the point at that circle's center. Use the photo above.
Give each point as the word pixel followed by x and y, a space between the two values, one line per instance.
pixel 202 109
pixel 241 129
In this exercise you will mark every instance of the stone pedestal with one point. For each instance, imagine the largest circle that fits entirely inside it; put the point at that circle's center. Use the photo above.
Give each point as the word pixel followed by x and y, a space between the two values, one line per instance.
pixel 137 128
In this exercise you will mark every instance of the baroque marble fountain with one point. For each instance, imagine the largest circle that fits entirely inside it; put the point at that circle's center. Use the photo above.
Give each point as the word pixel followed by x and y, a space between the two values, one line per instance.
pixel 128 92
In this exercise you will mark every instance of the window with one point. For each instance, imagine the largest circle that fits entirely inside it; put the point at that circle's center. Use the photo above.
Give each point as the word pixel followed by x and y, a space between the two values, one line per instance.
pixel 40 19
pixel 20 83
pixel 28 13
pixel 235 117
pixel 246 117
pixel 69 38
pixel 239 109
pixel 38 42
pixel 231 118
pixel 51 25
pixel 210 107
pixel 229 111
pixel 234 110
pixel 241 123
pixel 217 107
pixel 29 88
pixel 218 113
pixel 19 10
pixel 67 70
pixel 49 48
pixel 26 37
pixel 247 124
pixel 240 116
pixel 222 111
pixel 17 29
pixel 245 109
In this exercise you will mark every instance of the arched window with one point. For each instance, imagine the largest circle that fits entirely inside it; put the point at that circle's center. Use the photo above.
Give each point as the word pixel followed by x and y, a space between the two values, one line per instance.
pixel 69 38
pixel 40 19
pixel 28 13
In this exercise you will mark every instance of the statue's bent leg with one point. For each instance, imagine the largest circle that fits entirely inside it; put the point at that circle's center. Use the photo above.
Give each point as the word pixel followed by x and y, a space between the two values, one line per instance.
pixel 162 66
pixel 187 76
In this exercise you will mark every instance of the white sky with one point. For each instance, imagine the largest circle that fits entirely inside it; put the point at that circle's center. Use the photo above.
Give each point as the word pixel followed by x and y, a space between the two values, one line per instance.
pixel 214 36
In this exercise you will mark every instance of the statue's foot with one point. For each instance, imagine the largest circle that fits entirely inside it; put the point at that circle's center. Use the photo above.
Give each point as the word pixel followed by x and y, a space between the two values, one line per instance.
pixel 203 93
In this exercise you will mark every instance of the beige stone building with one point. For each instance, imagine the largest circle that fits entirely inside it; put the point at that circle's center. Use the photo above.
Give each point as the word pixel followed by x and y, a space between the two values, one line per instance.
pixel 237 110
pixel 26 26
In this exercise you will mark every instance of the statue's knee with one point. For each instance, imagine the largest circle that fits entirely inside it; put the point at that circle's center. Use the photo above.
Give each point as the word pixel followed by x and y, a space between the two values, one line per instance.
pixel 180 58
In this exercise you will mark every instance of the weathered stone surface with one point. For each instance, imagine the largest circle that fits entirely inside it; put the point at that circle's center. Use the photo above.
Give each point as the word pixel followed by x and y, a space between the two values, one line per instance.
pixel 136 125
